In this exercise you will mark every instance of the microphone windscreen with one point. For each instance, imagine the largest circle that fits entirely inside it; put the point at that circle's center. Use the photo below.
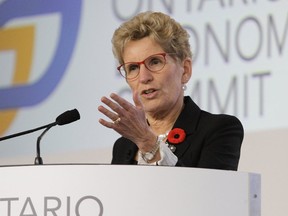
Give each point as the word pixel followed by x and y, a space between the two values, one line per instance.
pixel 68 117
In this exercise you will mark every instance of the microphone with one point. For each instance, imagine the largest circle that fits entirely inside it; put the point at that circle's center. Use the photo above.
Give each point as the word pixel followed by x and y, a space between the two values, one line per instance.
pixel 68 117
pixel 65 118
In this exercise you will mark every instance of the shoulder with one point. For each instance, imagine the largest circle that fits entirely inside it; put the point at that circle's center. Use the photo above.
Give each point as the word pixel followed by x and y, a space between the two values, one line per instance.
pixel 219 119
pixel 221 127
pixel 194 119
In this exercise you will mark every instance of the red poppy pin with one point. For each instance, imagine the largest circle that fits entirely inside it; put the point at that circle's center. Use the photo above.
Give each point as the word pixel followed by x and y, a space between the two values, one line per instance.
pixel 177 135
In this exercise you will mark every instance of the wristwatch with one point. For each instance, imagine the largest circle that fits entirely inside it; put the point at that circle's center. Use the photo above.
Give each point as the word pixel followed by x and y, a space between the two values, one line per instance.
pixel 148 156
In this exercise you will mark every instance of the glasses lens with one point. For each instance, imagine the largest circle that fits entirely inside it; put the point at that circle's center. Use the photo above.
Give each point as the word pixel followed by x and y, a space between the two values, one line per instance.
pixel 130 70
pixel 155 63
pixel 122 71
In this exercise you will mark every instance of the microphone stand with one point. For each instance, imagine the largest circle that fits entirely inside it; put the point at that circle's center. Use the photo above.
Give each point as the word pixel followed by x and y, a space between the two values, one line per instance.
pixel 25 132
pixel 38 160
pixel 65 118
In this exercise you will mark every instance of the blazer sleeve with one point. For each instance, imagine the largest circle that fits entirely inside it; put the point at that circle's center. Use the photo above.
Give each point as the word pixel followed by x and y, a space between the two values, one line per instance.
pixel 124 152
pixel 222 144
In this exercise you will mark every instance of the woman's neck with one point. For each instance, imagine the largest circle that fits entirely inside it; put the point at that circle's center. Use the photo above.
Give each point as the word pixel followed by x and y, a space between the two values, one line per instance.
pixel 165 122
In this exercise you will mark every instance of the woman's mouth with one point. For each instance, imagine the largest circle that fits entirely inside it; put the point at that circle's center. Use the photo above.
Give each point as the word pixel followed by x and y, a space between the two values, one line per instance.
pixel 149 93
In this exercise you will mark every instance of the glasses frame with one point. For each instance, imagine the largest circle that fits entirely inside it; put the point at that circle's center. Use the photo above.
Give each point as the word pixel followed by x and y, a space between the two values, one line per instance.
pixel 164 54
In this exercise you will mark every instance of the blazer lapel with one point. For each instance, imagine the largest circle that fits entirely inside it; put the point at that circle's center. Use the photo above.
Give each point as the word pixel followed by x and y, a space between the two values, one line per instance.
pixel 188 121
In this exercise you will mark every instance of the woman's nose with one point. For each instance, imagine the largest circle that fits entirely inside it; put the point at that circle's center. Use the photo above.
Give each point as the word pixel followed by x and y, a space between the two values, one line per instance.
pixel 144 74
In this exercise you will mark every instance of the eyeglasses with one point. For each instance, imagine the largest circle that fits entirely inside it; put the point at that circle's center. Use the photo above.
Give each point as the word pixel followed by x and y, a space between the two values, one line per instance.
pixel 154 63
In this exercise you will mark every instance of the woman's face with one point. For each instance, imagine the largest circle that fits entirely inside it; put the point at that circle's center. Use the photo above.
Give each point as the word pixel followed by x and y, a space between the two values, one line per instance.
pixel 160 92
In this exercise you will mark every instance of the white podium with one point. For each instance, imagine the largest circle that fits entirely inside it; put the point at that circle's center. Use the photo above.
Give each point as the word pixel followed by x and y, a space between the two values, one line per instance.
pixel 119 190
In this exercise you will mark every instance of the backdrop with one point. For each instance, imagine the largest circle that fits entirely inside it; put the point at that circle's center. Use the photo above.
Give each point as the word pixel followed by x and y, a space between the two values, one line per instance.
pixel 56 56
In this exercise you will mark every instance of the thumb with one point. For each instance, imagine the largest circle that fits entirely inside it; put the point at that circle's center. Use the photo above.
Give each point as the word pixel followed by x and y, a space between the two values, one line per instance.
pixel 137 100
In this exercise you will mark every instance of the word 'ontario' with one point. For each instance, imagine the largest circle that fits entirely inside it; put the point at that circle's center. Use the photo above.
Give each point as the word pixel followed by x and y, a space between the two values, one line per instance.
pixel 51 206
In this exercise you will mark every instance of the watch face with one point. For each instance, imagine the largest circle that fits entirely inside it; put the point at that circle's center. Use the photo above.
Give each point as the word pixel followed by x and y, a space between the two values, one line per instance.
pixel 148 156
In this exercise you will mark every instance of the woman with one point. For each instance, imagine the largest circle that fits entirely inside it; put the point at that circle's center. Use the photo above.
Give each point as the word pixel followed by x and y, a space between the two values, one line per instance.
pixel 164 127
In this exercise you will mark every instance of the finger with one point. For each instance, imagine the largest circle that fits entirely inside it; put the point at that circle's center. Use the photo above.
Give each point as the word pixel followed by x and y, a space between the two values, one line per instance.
pixel 113 116
pixel 121 101
pixel 114 106
pixel 106 123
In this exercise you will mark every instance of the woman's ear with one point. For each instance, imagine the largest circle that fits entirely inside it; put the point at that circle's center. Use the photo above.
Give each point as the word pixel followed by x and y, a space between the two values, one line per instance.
pixel 187 70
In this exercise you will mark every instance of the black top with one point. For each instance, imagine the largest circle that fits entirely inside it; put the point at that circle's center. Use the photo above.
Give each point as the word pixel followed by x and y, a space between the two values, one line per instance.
pixel 212 141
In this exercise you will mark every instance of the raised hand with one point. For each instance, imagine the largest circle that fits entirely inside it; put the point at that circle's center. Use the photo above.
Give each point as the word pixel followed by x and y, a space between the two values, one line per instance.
pixel 128 120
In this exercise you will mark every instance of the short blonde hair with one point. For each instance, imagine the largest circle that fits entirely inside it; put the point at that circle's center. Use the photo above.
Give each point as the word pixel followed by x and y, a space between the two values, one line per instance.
pixel 164 30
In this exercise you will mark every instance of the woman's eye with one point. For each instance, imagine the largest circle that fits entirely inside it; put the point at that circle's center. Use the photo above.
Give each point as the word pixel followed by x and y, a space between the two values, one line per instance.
pixel 155 61
pixel 132 68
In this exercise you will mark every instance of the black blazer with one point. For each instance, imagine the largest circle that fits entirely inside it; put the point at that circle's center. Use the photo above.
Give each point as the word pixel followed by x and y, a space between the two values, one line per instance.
pixel 212 141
